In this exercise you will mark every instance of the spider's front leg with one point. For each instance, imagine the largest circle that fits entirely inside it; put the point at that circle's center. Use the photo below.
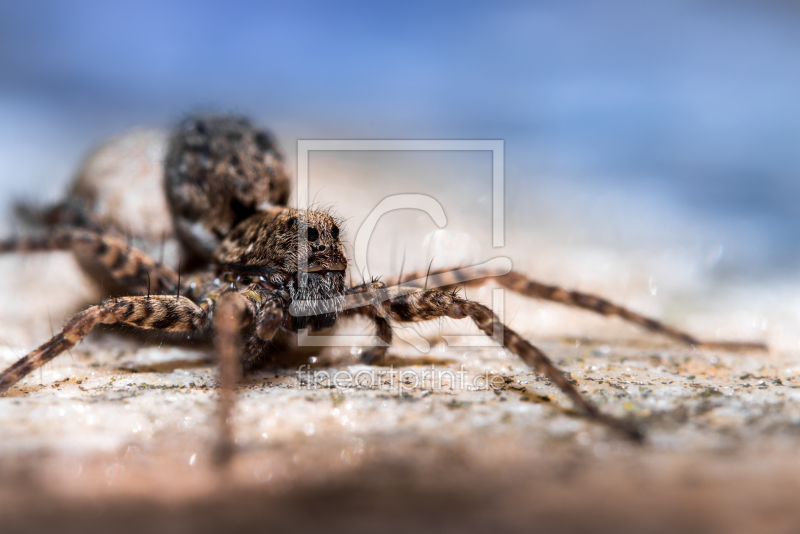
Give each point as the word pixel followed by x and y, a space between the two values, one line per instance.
pixel 371 295
pixel 232 311
pixel 435 303
pixel 519 283
pixel 168 313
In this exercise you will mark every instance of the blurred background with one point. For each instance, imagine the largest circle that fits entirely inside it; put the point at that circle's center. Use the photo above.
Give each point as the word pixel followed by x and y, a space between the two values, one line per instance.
pixel 628 126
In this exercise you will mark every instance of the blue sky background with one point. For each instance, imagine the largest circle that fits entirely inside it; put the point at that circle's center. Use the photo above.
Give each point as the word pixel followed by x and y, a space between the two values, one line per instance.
pixel 692 105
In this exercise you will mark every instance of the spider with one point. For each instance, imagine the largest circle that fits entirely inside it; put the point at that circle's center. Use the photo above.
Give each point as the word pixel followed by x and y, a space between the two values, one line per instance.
pixel 262 269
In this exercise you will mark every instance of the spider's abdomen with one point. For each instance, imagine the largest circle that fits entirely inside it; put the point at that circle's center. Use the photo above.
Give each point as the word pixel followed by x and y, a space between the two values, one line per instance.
pixel 220 170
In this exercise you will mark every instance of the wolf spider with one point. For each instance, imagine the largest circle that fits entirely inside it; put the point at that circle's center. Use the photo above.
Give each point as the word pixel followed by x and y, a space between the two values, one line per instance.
pixel 257 262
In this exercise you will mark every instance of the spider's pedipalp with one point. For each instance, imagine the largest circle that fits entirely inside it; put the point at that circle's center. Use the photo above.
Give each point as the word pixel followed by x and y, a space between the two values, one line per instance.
pixel 165 313
pixel 272 315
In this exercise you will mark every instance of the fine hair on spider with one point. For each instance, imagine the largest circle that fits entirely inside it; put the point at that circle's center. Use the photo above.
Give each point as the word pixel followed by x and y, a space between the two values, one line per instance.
pixel 257 270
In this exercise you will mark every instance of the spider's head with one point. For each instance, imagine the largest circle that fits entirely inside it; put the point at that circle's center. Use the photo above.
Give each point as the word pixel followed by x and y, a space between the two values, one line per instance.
pixel 312 243
pixel 287 241
pixel 298 249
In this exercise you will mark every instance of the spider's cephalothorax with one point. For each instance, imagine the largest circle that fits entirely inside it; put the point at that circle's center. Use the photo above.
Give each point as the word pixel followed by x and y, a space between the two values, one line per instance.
pixel 297 252
pixel 261 268
pixel 219 170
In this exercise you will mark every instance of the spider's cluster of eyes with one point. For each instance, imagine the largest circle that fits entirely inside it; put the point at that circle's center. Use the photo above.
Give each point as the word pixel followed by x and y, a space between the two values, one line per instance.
pixel 312 234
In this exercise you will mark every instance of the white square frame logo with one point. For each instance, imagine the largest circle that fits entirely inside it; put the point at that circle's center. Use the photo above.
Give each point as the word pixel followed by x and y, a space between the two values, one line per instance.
pixel 496 147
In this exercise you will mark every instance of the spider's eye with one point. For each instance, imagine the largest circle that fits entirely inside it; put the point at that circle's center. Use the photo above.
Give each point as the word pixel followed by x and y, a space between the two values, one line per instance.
pixel 312 234
pixel 335 232
pixel 292 223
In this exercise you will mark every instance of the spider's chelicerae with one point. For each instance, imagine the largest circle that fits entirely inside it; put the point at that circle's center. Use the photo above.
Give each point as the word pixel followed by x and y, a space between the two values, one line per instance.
pixel 260 268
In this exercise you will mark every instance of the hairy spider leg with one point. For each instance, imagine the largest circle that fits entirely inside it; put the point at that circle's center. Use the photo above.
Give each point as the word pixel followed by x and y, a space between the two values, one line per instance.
pixel 373 294
pixel 425 305
pixel 519 283
pixel 232 312
pixel 157 312
pixel 128 268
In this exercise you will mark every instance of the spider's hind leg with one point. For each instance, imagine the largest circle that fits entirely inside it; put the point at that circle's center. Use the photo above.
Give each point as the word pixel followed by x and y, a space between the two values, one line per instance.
pixel 129 270
pixel 72 212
